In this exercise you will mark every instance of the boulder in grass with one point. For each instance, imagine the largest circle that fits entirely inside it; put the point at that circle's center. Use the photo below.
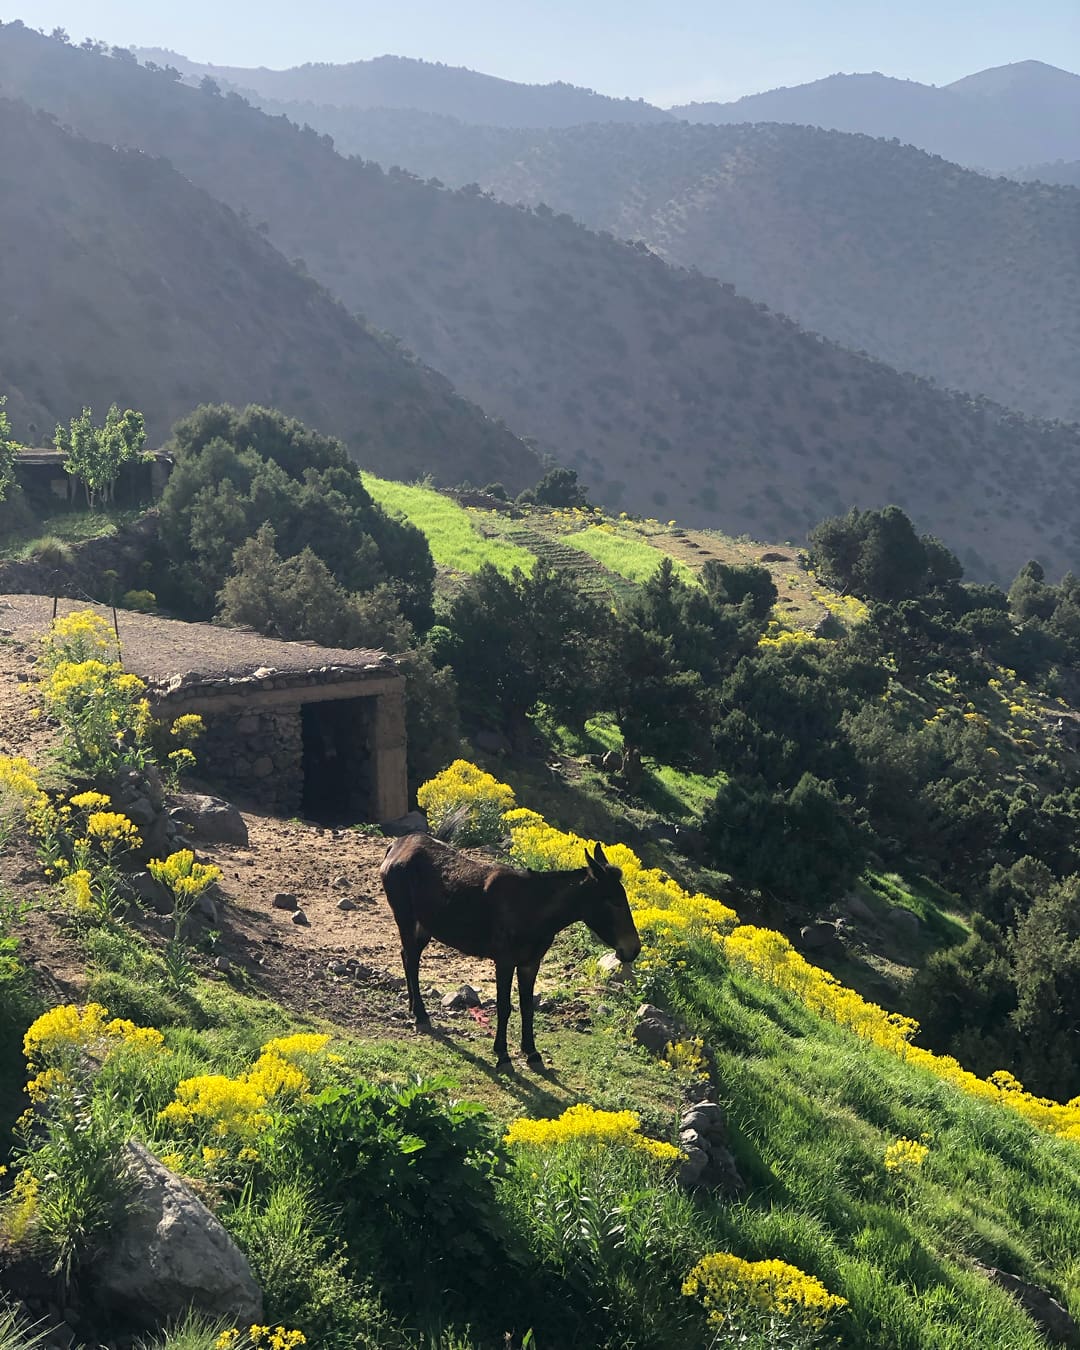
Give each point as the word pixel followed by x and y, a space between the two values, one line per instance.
pixel 169 1256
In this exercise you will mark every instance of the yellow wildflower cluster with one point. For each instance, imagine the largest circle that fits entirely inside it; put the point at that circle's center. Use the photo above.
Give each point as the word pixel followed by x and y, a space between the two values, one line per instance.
pixel 78 636
pixel 111 830
pixel 464 787
pixel 905 1156
pixel 730 1288
pixel 260 1338
pixel 20 793
pixel 848 608
pixel 772 958
pixel 665 914
pixel 687 1058
pixel 583 1124
pixel 780 638
pixel 660 905
pixel 67 1030
pixel 185 878
pixel 240 1107
pixel 90 801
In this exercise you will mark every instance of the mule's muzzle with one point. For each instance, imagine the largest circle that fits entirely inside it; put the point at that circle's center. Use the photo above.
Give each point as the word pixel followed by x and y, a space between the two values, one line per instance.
pixel 629 952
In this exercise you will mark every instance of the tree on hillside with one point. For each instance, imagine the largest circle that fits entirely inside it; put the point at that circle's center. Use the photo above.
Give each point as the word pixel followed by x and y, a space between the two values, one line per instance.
pixel 7 452
pixel 877 555
pixel 238 470
pixel 517 641
pixel 559 487
pixel 96 455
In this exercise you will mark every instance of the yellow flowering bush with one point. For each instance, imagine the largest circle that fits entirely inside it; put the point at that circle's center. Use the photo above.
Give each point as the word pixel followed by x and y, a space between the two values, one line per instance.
pixel 905 1156
pixel 479 797
pixel 183 877
pixel 239 1109
pixel 103 712
pixel 260 1338
pixel 583 1124
pixel 751 1295
pixel 20 793
pixel 67 1031
pixel 779 637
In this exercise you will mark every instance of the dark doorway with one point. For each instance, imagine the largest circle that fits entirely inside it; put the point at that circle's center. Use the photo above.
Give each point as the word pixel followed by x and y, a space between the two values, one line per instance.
pixel 337 767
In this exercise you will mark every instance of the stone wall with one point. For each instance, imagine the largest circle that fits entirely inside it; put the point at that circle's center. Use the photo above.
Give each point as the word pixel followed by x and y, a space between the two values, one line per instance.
pixel 100 569
pixel 257 755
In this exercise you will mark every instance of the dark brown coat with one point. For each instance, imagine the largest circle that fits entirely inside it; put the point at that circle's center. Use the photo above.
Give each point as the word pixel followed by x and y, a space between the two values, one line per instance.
pixel 508 916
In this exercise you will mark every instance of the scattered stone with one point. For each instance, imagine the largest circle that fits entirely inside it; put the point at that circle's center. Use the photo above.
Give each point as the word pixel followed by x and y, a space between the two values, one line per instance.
pixel 139 811
pixel 301 919
pixel 342 883
pixel 223 964
pixel 661 831
pixel 211 818
pixel 207 907
pixel 817 936
pixel 283 900
pixel 614 970
pixel 169 1256
pixel 345 904
pixel 464 997
pixel 338 968
pixel 413 822
pixel 703 1131
pixel 906 925
pixel 491 742
pixel 857 908
pixel 692 1168
pixel 1038 1303
pixel 612 762
pixel 655 1029
pixel 150 892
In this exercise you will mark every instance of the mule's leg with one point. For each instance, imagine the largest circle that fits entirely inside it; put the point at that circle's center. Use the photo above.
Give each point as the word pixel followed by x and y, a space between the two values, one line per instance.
pixel 526 984
pixel 504 979
pixel 412 948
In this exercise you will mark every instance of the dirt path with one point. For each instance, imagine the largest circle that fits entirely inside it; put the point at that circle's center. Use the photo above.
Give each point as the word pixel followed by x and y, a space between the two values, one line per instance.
pixel 343 964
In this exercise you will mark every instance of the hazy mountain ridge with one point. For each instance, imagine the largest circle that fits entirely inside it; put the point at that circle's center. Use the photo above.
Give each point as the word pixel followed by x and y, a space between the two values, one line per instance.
pixel 667 391
pixel 1028 112
pixel 125 282
pixel 1060 171
pixel 403 82
pixel 973 281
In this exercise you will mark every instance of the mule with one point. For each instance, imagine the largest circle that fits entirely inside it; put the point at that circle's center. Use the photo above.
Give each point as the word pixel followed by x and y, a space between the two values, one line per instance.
pixel 500 914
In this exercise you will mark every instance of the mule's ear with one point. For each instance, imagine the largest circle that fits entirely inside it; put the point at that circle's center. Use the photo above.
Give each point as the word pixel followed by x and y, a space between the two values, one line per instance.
pixel 598 856
pixel 590 858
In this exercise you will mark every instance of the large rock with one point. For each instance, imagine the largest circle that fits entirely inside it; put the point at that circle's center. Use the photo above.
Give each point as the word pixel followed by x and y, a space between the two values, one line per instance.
pixel 211 818
pixel 169 1256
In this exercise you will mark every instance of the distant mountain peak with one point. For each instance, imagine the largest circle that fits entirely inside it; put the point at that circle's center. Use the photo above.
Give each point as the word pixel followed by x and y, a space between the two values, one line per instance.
pixel 1015 76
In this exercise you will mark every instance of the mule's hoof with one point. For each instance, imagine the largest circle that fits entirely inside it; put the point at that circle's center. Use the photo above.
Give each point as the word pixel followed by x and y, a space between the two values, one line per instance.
pixel 423 1024
pixel 504 1066
pixel 536 1061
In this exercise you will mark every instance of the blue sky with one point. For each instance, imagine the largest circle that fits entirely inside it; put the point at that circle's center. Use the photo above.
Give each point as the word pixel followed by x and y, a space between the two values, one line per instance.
pixel 665 53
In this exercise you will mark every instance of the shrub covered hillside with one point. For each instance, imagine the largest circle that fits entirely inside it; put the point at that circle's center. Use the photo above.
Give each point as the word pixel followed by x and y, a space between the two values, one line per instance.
pixel 872 1193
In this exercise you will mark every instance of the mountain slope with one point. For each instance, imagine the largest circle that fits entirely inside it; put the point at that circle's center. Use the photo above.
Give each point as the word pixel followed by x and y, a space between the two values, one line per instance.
pixel 1020 114
pixel 667 391
pixel 124 282
pixel 401 82
pixel 973 281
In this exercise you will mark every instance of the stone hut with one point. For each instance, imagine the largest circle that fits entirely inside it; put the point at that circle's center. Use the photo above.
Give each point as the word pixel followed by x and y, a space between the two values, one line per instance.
pixel 42 477
pixel 308 731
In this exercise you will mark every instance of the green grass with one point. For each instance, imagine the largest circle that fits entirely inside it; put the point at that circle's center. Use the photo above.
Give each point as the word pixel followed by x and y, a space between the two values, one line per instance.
pixel 630 558
pixel 67 527
pixel 813 1109
pixel 451 535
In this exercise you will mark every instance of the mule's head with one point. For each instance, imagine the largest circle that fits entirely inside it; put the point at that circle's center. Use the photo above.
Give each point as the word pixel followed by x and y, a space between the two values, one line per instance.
pixel 606 909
